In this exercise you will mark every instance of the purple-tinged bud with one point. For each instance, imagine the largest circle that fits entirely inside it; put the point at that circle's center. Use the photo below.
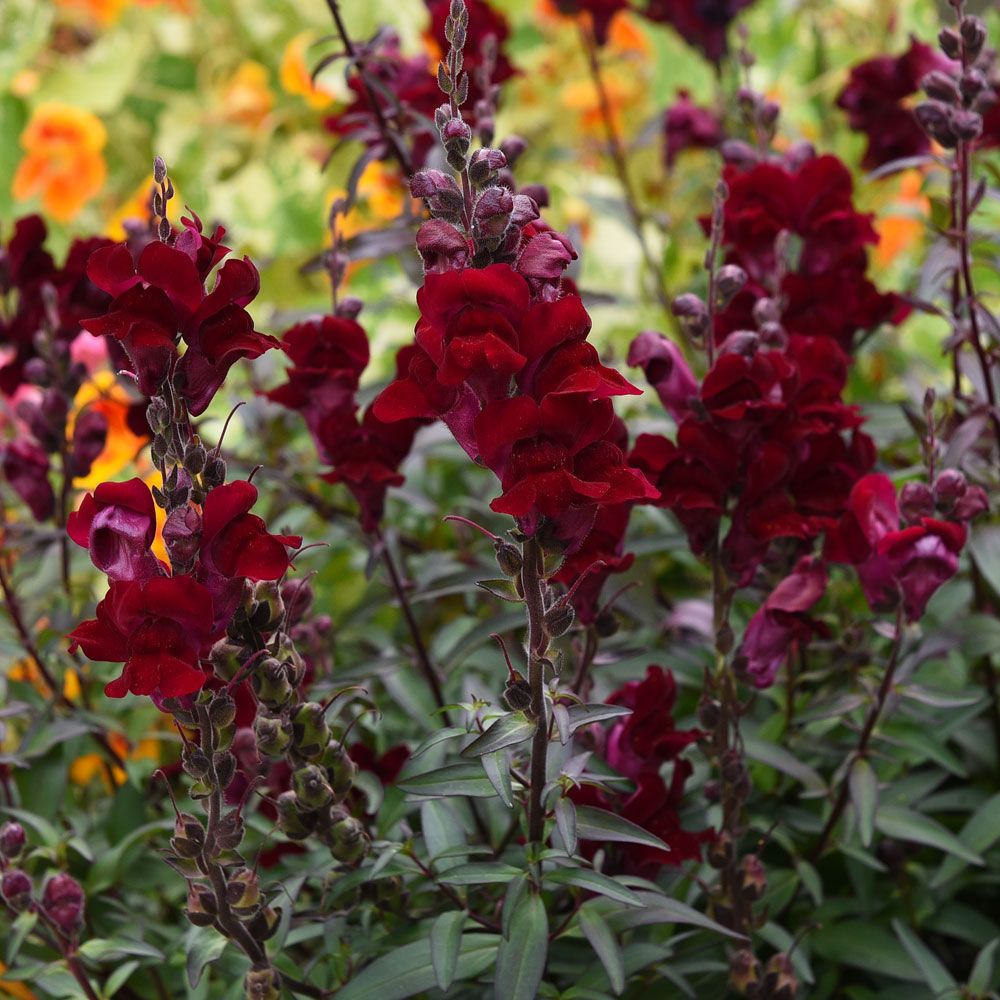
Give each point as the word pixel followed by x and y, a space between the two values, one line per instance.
pixel 12 840
pixel 951 44
pixel 159 170
pixel 508 557
pixel 90 435
pixel 525 210
pixel 545 257
pixel 37 372
pixel 766 310
pixel 941 86
pixel 484 164
pixel 62 903
pixel 538 193
pixel 936 120
pixel 182 535
pixel 721 850
pixel 442 247
pixel 457 137
pixel 774 336
pixel 689 307
pixel 492 212
pixel 973 33
pixel 799 154
pixel 737 153
pixel 916 501
pixel 440 191
pixel 973 503
pixel 967 125
pixel 513 147
pixel 742 342
pixel 16 889
pixel 972 84
pixel 349 307
pixel 769 112
pixel 729 282
pixel 949 487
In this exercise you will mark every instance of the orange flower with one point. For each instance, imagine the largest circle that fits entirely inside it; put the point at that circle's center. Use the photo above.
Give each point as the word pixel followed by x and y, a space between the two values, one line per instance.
pixel 89 766
pixel 104 394
pixel 9 988
pixel 246 97
pixel 63 163
pixel 104 12
pixel 295 74
pixel 905 227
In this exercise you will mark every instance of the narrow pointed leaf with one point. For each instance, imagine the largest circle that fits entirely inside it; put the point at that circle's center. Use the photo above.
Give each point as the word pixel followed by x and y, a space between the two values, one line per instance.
pixel 599 824
pixel 566 824
pixel 905 824
pixel 935 974
pixel 453 779
pixel 594 882
pixel 507 731
pixel 496 766
pixel 521 958
pixel 863 785
pixel 605 946
pixel 446 939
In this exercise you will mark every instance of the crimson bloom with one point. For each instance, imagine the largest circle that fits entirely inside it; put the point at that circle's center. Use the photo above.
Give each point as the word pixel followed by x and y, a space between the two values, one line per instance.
pixel 162 294
pixel 895 563
pixel 780 621
pixel 874 98
pixel 701 23
pixel 236 544
pixel 117 525
pixel 159 628
pixel 687 125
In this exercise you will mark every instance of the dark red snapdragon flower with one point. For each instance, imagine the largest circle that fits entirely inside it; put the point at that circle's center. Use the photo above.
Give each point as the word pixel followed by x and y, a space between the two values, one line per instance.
pixel 687 125
pixel 906 562
pixel 875 99
pixel 159 628
pixel 236 544
pixel 162 295
pixel 826 291
pixel 328 356
pixel 701 23
pixel 117 524
pixel 781 621
pixel 637 747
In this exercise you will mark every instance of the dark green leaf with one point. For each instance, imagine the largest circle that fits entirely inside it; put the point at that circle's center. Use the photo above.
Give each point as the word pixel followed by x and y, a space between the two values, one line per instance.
pixel 480 873
pixel 863 786
pixel 935 974
pixel 601 825
pixel 466 778
pixel 566 823
pixel 496 767
pixel 203 945
pixel 905 824
pixel 507 731
pixel 521 957
pixel 502 588
pixel 605 946
pixel 593 881
pixel 446 939
pixel 409 970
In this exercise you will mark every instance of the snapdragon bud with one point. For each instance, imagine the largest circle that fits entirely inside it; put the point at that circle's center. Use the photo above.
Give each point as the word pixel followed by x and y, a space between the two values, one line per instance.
pixel 189 836
pixel 62 902
pixel 12 841
pixel 16 889
pixel 780 982
pixel 508 557
pixel 752 878
pixel 916 501
pixel 744 972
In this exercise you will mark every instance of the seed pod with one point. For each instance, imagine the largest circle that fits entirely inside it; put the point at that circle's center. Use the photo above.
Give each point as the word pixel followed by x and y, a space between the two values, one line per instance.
pixel 295 823
pixel 230 832
pixel 189 836
pixel 342 773
pixel 311 788
pixel 225 768
pixel 194 761
pixel 273 737
pixel 348 840
pixel 195 457
pixel 708 712
pixel 199 911
pixel 752 878
pixel 558 620
pixel 517 694
pixel 508 557
pixel 310 732
pixel 780 982
pixel 222 709
pixel 264 923
pixel 270 684
pixel 720 853
pixel 215 473
pixel 262 983
pixel 243 893
pixel 270 609
pixel 606 624
pixel 744 972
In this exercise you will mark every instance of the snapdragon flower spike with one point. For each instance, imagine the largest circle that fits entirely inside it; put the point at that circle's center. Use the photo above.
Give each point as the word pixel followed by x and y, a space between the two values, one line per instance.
pixel 161 296
pixel 160 629
pixel 117 524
